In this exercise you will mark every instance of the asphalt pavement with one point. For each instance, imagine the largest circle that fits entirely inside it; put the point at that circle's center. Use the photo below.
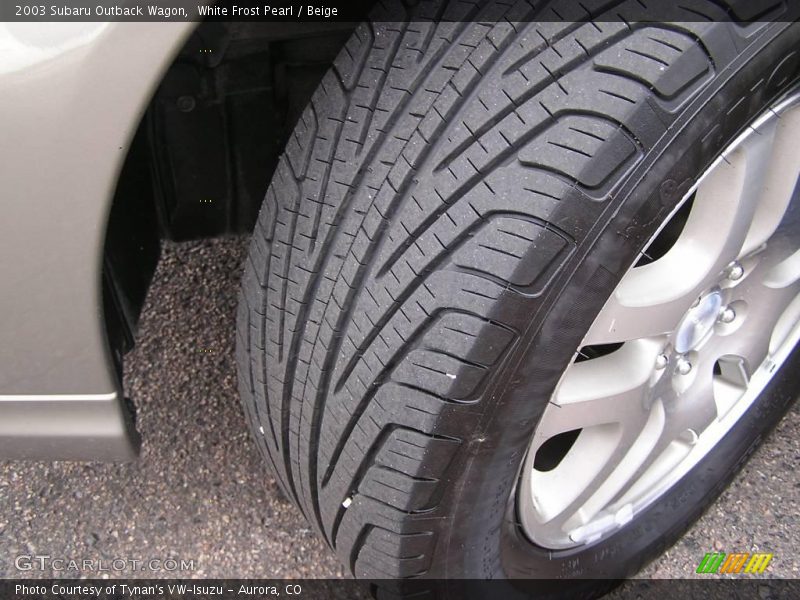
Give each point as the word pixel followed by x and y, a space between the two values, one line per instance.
pixel 201 503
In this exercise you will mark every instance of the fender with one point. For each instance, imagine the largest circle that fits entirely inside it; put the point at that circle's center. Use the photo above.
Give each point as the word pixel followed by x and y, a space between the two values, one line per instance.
pixel 71 97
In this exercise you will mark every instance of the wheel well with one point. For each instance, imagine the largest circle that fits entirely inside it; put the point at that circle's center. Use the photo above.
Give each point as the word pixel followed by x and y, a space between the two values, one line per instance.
pixel 205 149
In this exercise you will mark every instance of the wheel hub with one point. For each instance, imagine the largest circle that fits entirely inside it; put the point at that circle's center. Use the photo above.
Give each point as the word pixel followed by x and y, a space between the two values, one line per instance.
pixel 698 322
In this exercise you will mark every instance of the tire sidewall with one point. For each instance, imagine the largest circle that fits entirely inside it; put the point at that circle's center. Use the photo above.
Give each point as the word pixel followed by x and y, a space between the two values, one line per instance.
pixel 493 546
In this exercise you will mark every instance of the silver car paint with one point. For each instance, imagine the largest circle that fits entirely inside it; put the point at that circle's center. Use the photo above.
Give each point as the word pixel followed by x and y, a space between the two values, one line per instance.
pixel 71 96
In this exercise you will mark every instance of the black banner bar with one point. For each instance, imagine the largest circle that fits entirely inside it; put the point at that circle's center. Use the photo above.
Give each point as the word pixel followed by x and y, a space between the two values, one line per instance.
pixel 711 588
pixel 304 11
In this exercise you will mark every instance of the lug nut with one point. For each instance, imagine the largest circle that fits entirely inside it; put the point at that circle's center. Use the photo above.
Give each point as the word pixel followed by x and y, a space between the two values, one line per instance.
pixel 684 366
pixel 661 361
pixel 727 315
pixel 735 271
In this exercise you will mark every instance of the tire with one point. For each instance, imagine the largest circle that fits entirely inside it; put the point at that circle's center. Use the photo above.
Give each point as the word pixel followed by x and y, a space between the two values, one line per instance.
pixel 454 209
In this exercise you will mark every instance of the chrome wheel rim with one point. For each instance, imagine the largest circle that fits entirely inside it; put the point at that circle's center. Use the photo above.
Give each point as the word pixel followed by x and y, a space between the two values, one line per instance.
pixel 682 348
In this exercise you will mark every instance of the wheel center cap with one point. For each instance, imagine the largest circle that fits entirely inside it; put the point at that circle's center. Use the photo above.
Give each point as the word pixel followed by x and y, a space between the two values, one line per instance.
pixel 698 322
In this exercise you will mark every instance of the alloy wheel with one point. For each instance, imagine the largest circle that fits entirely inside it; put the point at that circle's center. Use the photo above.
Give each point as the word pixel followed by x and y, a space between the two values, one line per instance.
pixel 688 340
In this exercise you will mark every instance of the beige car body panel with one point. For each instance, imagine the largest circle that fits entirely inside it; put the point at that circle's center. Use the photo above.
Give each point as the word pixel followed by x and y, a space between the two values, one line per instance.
pixel 71 97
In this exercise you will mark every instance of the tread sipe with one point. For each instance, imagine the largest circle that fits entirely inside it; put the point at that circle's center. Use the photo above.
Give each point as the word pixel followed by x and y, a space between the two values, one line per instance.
pixel 433 191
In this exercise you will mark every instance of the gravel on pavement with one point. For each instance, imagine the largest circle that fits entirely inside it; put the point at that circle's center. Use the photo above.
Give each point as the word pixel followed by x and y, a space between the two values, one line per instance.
pixel 199 492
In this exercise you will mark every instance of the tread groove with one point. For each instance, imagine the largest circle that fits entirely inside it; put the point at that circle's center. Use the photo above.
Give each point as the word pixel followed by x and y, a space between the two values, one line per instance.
pixel 434 197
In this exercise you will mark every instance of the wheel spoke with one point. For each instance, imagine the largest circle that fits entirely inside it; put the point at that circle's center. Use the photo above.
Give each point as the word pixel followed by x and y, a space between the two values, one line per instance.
pixel 635 447
pixel 651 299
pixel 695 408
pixel 784 273
pixel 605 398
pixel 609 389
pixel 780 181
pixel 751 340
pixel 726 199
pixel 620 321
pixel 686 416
pixel 571 511
pixel 751 344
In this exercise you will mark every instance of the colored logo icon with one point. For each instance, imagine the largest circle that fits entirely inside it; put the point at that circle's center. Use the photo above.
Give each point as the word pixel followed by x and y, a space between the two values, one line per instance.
pixel 740 562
